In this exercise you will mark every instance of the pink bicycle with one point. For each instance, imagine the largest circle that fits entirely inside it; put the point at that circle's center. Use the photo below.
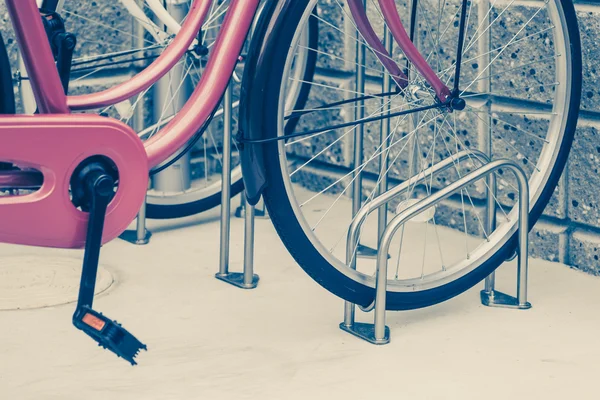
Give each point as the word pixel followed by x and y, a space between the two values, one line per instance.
pixel 449 77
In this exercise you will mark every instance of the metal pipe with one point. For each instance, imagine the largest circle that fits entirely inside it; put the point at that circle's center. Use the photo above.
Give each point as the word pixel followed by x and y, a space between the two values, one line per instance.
pixel 248 243
pixel 141 236
pixel 484 124
pixel 359 130
pixel 170 95
pixel 384 138
pixel 359 114
pixel 226 185
pixel 381 200
pixel 428 202
pixel 522 268
pixel 141 225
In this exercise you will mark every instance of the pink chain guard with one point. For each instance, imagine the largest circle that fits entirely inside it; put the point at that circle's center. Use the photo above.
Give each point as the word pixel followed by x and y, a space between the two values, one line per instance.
pixel 55 145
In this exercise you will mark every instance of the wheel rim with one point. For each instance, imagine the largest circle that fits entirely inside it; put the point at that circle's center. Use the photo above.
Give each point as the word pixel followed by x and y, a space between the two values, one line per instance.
pixel 538 177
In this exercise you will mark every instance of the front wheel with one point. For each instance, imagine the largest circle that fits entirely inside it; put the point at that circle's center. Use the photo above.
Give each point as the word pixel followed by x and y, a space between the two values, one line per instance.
pixel 521 81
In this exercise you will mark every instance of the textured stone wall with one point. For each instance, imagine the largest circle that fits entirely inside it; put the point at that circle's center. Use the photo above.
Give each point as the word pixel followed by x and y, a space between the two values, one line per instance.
pixel 568 232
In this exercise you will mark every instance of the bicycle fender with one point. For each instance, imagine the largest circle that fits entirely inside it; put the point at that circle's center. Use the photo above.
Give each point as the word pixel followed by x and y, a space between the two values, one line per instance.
pixel 252 97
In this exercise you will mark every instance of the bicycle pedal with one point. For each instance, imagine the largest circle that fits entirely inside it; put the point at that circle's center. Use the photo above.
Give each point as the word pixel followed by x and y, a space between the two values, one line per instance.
pixel 108 333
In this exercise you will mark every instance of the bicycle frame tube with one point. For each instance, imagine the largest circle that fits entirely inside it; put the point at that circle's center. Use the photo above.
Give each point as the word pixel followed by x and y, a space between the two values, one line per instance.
pixel 359 14
pixel 37 56
pixel 151 74
pixel 392 19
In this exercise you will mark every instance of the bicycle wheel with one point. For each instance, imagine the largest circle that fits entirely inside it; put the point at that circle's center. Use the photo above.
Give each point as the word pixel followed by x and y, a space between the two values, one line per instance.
pixel 120 38
pixel 520 77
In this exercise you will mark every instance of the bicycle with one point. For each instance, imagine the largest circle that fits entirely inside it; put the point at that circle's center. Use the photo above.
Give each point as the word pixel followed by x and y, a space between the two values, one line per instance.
pixel 418 95
pixel 192 185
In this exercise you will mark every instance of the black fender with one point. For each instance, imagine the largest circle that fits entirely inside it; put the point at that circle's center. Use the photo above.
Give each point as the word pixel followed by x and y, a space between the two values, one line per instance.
pixel 252 112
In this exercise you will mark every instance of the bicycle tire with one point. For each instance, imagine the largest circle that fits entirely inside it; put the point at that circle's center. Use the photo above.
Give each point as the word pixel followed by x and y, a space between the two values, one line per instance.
pixel 7 96
pixel 286 221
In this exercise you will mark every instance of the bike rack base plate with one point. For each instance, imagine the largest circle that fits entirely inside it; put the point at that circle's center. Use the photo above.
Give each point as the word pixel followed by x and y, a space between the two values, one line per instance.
pixel 502 300
pixel 132 237
pixel 237 279
pixel 366 332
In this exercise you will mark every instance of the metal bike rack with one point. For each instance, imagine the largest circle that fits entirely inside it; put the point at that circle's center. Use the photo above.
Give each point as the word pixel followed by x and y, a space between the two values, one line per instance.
pixel 260 210
pixel 378 332
pixel 360 74
pixel 141 235
pixel 246 279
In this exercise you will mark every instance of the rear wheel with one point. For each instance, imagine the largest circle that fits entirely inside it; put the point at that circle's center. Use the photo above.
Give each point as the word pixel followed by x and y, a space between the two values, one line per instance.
pixel 521 80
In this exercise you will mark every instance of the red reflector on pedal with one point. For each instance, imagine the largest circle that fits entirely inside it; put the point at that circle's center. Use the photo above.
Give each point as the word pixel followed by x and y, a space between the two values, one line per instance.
pixel 93 321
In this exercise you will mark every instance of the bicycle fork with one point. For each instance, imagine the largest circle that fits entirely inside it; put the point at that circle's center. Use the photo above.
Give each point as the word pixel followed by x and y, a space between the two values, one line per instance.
pixel 389 11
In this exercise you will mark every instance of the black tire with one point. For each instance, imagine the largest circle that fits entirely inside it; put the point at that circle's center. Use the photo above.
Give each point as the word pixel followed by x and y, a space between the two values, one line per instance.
pixel 157 211
pixel 7 95
pixel 285 220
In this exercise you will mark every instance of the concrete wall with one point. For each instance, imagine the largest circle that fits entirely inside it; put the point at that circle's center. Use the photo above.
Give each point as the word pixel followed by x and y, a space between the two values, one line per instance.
pixel 568 232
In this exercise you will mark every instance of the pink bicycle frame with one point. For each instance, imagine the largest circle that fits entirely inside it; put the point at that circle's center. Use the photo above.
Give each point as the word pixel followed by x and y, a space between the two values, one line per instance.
pixel 115 138
pixel 50 98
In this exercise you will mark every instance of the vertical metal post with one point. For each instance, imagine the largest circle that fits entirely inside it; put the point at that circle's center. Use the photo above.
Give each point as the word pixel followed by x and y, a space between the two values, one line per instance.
pixel 141 235
pixel 359 113
pixel 349 308
pixel 359 131
pixel 260 209
pixel 523 263
pixel 170 95
pixel 384 139
pixel 226 185
pixel 490 296
pixel 247 279
pixel 484 124
pixel 413 119
pixel 381 332
pixel 249 244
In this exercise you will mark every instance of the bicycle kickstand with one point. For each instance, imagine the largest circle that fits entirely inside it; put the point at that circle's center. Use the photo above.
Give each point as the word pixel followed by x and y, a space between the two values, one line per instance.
pixel 96 188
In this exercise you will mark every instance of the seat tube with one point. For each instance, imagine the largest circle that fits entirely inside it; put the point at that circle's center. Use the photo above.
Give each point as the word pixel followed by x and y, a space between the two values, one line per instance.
pixel 37 56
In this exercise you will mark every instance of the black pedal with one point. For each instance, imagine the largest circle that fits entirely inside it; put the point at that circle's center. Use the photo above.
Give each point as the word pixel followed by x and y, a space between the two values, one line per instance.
pixel 109 334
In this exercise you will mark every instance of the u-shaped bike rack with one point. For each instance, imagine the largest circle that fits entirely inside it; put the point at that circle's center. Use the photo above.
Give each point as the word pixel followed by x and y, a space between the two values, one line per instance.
pixel 378 332
pixel 246 279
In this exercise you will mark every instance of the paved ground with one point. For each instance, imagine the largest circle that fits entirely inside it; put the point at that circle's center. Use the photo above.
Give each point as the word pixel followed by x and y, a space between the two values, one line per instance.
pixel 210 341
